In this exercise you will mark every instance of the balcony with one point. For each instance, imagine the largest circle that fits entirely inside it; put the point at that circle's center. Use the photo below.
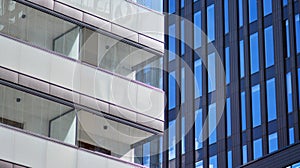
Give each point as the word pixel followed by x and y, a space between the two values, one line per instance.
pixel 86 62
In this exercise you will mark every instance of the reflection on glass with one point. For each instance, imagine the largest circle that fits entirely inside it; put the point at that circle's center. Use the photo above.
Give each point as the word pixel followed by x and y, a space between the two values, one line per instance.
pixel 252 8
pixel 229 159
pixel 172 90
pixel 297 27
pixel 291 136
pixel 241 15
pixel 213 162
pixel 269 46
pixel 199 164
pixel 172 140
pixel 198 129
pixel 211 72
pixel 271 99
pixel 287 38
pixel 245 154
pixel 227 63
pixel 257 148
pixel 273 142
pixel 197 30
pixel 212 128
pixel 228 116
pixel 198 76
pixel 289 92
pixel 242 62
pixel 211 23
pixel 267 7
pixel 226 16
pixel 254 54
pixel 256 114
pixel 243 111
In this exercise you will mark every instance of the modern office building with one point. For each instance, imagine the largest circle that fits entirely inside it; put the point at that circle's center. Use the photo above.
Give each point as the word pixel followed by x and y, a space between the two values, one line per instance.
pixel 249 117
pixel 80 84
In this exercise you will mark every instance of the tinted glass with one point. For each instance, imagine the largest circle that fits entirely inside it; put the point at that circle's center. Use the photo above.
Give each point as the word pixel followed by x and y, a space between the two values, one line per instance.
pixel 211 23
pixel 213 162
pixel 252 4
pixel 198 129
pixel 172 43
pixel 267 7
pixel 254 55
pixel 297 27
pixel 226 17
pixel 273 142
pixel 199 164
pixel 243 110
pixel 172 90
pixel 182 38
pixel 242 63
pixel 171 6
pixel 287 38
pixel 172 139
pixel 289 92
pixel 257 148
pixel 269 47
pixel 241 15
pixel 198 76
pixel 227 62
pixel 228 116
pixel 245 154
pixel 271 99
pixel 212 123
pixel 256 114
pixel 291 136
pixel 211 73
pixel 197 29
pixel 229 159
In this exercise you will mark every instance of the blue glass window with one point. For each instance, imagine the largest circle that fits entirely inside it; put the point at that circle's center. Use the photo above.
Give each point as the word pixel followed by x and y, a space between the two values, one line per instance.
pixel 267 7
pixel 228 116
pixel 269 46
pixel 297 26
pixel 291 136
pixel 229 159
pixel 182 135
pixel 287 38
pixel 273 142
pixel 213 162
pixel 182 38
pixel 256 114
pixel 257 148
pixel 243 111
pixel 299 85
pixel 227 62
pixel 212 114
pixel 211 23
pixel 242 61
pixel 146 154
pixel 254 55
pixel 172 43
pixel 252 4
pixel 199 164
pixel 172 6
pixel 172 139
pixel 211 73
pixel 172 90
pixel 182 3
pixel 271 99
pixel 289 92
pixel 198 129
pixel 197 30
pixel 241 13
pixel 245 154
pixel 226 17
pixel 284 2
pixel 198 76
pixel 182 88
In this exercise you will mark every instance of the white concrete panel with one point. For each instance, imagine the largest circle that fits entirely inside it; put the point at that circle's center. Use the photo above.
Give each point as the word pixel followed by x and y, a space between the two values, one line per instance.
pixel 30 150
pixel 87 78
pixel 62 71
pixel 36 63
pixel 93 161
pixel 60 156
pixel 103 89
pixel 12 50
pixel 7 144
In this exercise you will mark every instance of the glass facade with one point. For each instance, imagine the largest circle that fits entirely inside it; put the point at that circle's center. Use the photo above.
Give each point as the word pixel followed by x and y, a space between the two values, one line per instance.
pixel 269 46
pixel 267 7
pixel 242 61
pixel 256 111
pixel 271 100
pixel 254 53
pixel 211 23
pixel 252 5
pixel 257 148
pixel 273 142
pixel 212 123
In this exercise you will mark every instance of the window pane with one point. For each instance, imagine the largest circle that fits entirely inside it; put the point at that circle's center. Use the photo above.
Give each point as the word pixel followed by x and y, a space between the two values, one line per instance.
pixel 245 154
pixel 212 123
pixel 211 23
pixel 256 114
pixel 273 142
pixel 242 63
pixel 182 3
pixel 271 99
pixel 182 88
pixel 172 44
pixel 267 7
pixel 197 29
pixel 198 129
pixel 257 148
pixel 243 110
pixel 198 76
pixel 211 73
pixel 287 38
pixel 172 90
pixel 297 26
pixel 229 159
pixel 269 46
pixel 227 60
pixel 213 162
pixel 241 11
pixel 171 6
pixel 199 164
pixel 172 139
pixel 182 38
pixel 146 154
pixel 252 10
pixel 228 115
pixel 254 55
pixel 183 135
pixel 284 2
pixel 291 136
pixel 226 17
pixel 289 92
